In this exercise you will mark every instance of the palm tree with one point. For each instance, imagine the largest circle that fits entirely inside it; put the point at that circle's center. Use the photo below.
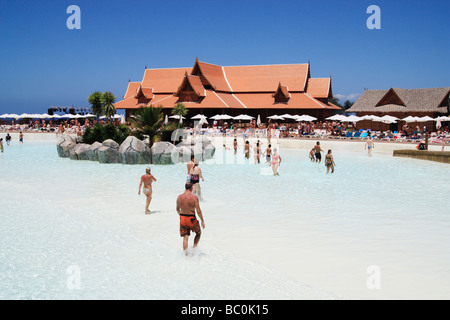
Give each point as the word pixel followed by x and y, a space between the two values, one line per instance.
pixel 95 99
pixel 147 121
pixel 180 110
pixel 108 100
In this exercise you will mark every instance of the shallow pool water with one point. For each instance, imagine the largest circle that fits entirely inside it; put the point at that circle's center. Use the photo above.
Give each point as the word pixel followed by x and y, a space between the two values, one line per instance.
pixel 76 229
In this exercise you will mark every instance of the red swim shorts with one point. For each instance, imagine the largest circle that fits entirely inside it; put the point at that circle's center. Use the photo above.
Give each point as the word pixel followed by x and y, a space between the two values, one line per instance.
pixel 188 223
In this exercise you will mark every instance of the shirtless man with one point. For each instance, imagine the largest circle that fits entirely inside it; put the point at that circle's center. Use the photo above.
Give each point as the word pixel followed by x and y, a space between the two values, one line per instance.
pixel 147 180
pixel 369 145
pixel 317 151
pixel 187 205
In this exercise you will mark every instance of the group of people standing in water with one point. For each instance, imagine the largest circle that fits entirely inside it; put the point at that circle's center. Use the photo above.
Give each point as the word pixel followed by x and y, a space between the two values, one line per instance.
pixel 316 156
pixel 187 203
pixel 271 155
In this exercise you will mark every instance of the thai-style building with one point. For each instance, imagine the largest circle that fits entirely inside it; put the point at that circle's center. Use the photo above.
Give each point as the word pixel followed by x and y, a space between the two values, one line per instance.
pixel 401 103
pixel 210 89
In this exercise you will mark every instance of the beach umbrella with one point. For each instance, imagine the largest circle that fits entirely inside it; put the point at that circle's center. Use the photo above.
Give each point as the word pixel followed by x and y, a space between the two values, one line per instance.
pixel 177 117
pixel 46 116
pixel 258 121
pixel 424 119
pixel 198 117
pixel 388 119
pixel 221 117
pixel 243 117
pixel 370 117
pixel 288 116
pixel 410 119
pixel 337 117
pixel 305 117
pixel 442 118
pixel 90 115
pixel 350 119
pixel 275 117
pixel 5 116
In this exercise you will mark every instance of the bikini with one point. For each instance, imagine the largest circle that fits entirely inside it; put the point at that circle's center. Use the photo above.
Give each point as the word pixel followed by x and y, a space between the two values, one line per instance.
pixel 275 159
pixel 195 178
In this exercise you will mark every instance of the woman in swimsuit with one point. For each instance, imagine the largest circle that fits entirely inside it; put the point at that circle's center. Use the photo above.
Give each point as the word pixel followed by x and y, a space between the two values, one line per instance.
pixel 147 180
pixel 329 162
pixel 276 160
pixel 369 145
pixel 196 174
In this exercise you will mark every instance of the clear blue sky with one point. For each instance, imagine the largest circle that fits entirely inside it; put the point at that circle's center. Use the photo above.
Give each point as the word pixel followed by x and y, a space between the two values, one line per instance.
pixel 43 63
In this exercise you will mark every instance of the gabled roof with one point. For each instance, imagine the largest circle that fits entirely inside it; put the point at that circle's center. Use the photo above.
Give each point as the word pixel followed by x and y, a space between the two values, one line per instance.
pixel 265 78
pixel 131 89
pixel 145 92
pixel 282 91
pixel 391 97
pixel 319 88
pixel 191 82
pixel 403 100
pixel 213 74
pixel 163 80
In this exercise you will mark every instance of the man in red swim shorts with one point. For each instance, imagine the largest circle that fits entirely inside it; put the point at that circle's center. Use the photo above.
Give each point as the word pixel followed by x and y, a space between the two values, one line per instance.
pixel 187 205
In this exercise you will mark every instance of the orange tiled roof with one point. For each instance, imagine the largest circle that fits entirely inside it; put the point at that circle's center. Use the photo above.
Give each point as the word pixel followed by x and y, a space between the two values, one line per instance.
pixel 164 80
pixel 230 87
pixel 146 92
pixel 194 82
pixel 213 74
pixel 319 87
pixel 131 89
pixel 266 78
pixel 129 103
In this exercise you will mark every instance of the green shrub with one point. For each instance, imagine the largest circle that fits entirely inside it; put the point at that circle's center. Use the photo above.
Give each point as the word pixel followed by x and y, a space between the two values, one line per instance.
pixel 101 133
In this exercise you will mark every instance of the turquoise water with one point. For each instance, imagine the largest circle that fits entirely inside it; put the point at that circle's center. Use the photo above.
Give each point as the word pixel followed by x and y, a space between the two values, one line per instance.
pixel 301 235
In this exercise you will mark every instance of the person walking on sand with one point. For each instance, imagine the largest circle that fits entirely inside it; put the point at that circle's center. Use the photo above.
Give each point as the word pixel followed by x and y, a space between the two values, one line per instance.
pixel 317 151
pixel 369 145
pixel 147 180
pixel 187 206
pixel 195 175
pixel 329 162
pixel 275 163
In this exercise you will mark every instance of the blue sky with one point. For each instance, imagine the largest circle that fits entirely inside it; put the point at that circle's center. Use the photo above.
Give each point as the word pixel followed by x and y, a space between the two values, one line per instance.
pixel 43 63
